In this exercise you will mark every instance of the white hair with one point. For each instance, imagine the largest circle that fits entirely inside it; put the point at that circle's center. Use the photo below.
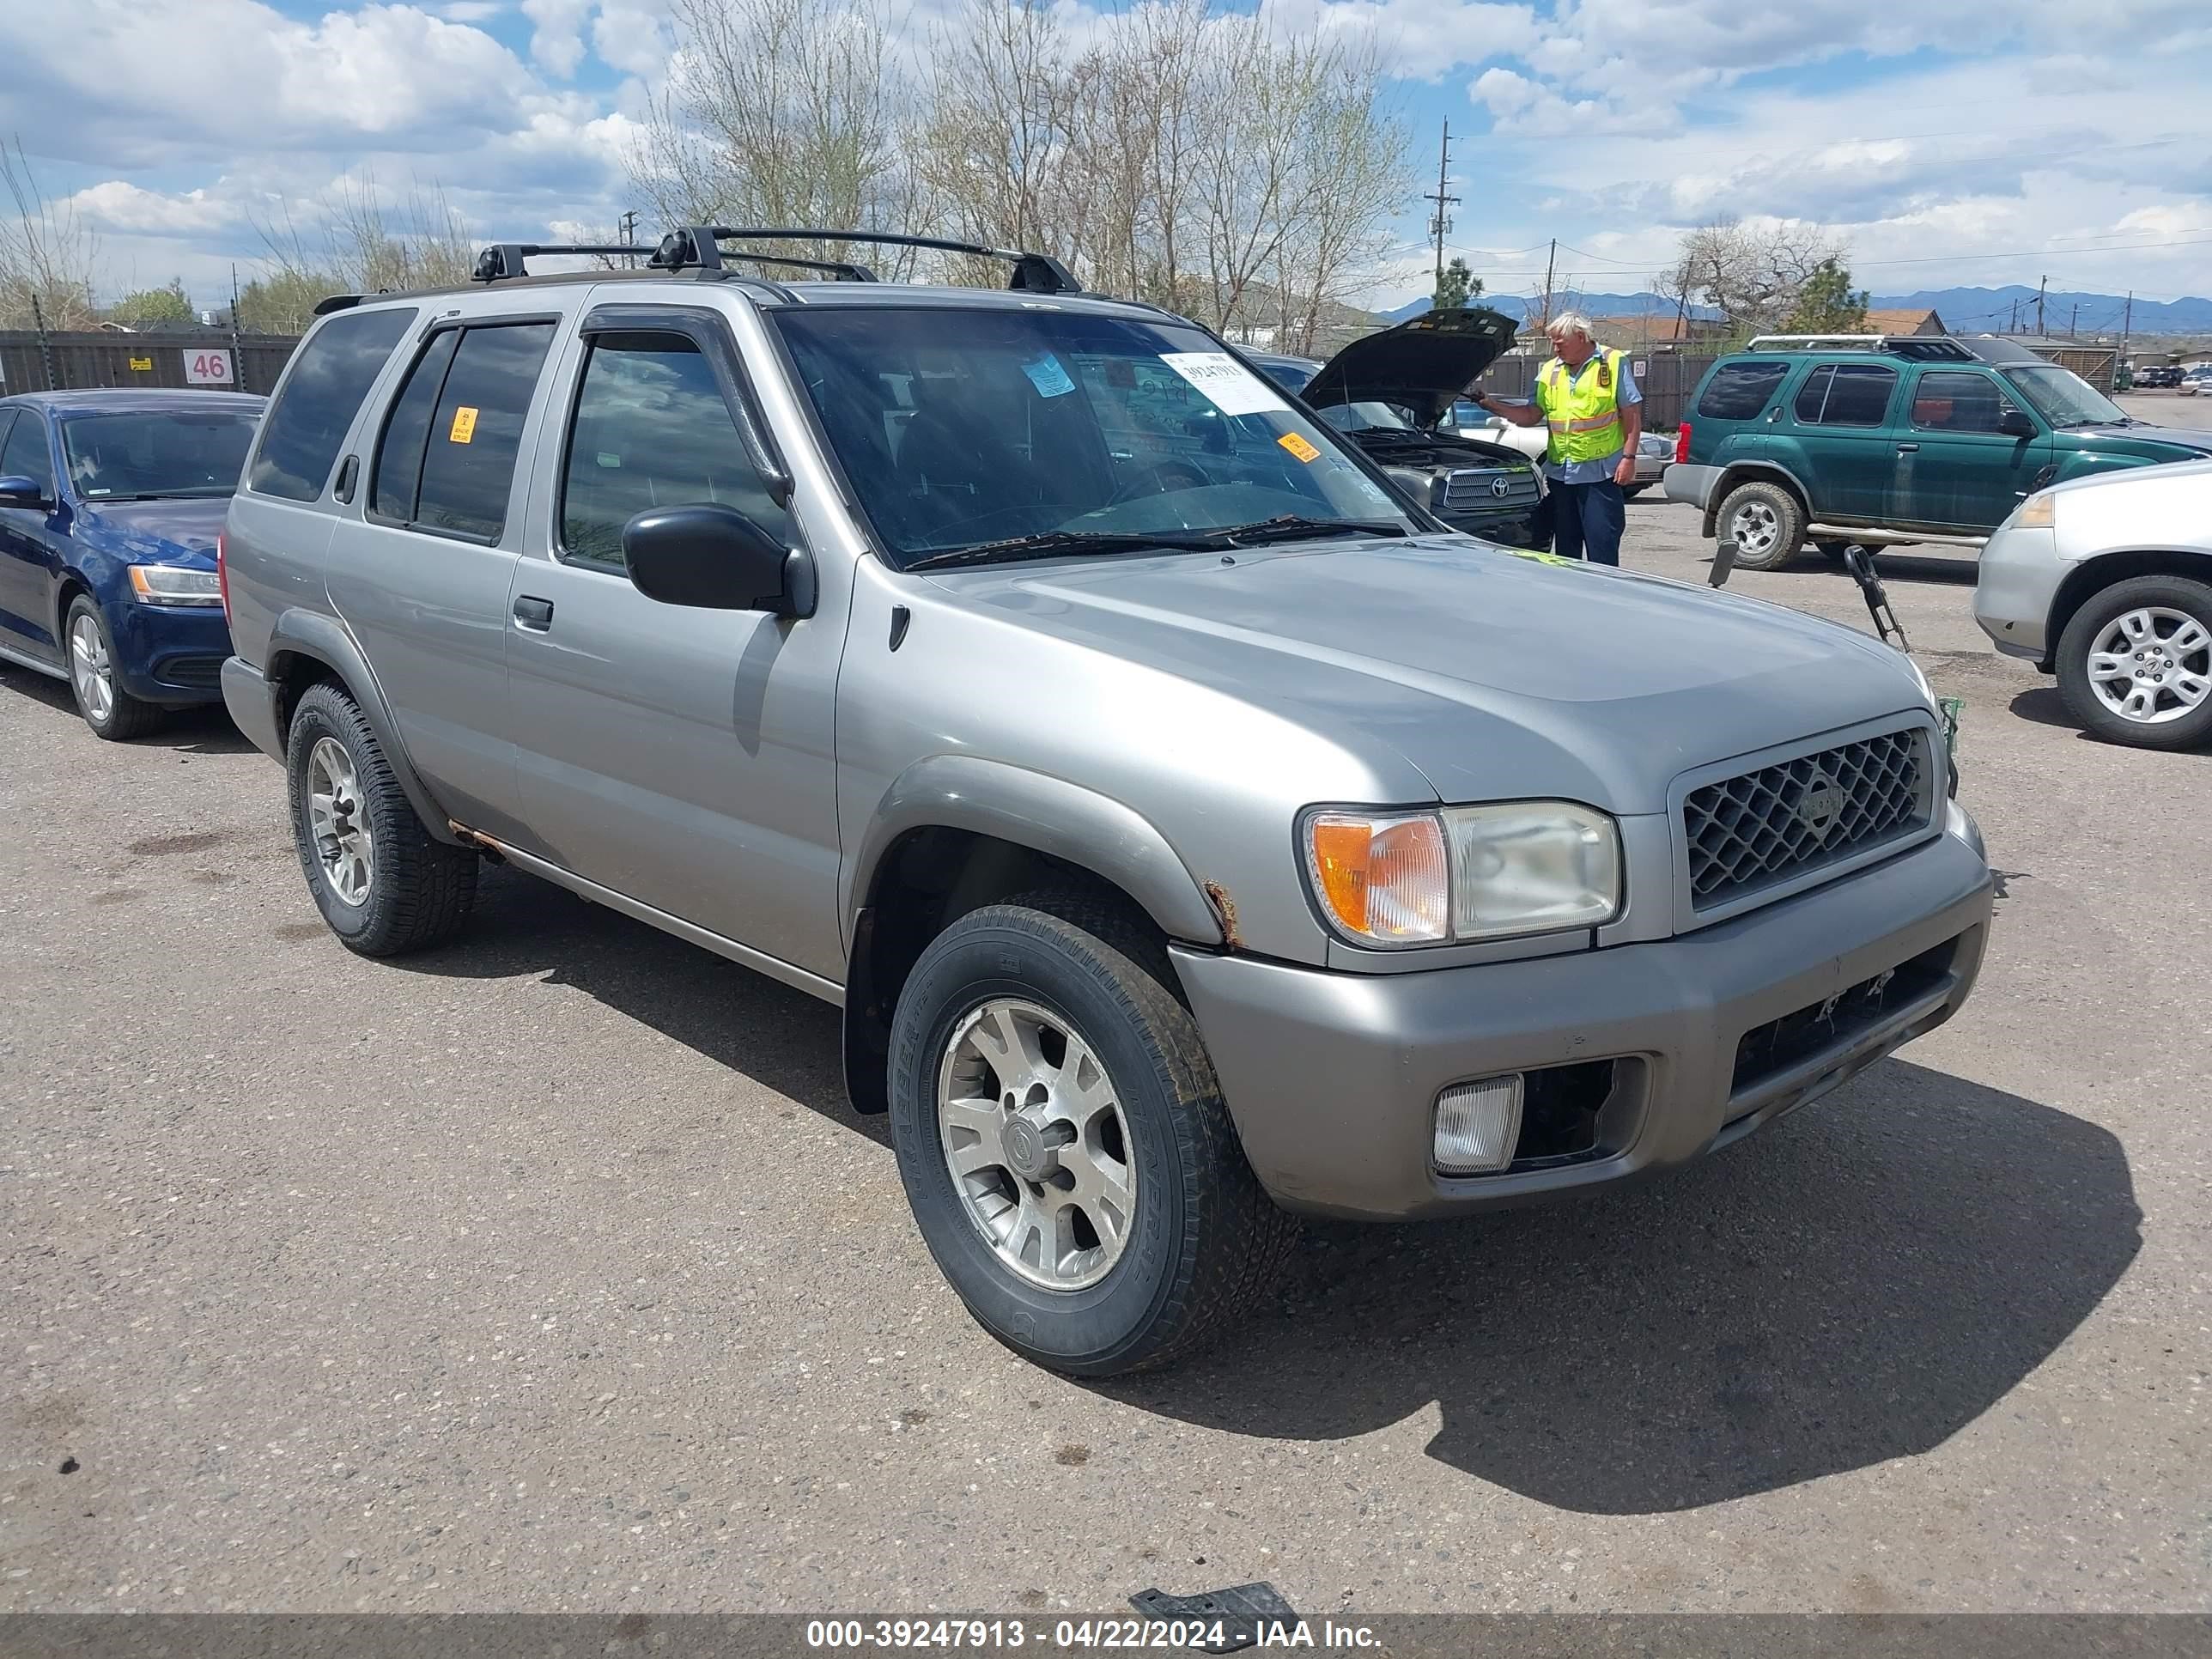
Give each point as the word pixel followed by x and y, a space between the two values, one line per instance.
pixel 1569 322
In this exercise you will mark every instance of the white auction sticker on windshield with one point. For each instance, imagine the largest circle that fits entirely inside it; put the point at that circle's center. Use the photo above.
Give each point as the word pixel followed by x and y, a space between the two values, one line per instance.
pixel 1226 383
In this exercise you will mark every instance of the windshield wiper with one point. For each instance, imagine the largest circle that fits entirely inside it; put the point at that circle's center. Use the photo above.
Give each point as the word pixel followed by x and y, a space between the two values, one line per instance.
pixel 1289 527
pixel 1046 543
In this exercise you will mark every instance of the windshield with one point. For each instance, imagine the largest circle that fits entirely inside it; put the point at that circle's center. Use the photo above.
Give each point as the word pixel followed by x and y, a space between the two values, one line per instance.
pixel 157 452
pixel 959 428
pixel 2063 398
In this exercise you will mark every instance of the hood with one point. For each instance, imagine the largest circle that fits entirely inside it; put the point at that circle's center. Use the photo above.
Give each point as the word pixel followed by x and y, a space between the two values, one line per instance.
pixel 1491 674
pixel 1423 365
pixel 2196 442
pixel 180 532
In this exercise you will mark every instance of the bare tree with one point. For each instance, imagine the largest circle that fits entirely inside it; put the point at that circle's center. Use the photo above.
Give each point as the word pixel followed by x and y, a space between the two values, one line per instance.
pixel 46 254
pixel 355 241
pixel 1754 276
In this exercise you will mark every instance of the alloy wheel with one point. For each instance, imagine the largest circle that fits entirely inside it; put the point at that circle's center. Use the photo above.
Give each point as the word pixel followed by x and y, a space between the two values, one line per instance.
pixel 2151 664
pixel 338 821
pixel 91 674
pixel 1756 528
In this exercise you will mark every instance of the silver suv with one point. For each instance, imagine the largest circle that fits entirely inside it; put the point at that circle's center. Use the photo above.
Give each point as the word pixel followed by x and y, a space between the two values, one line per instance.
pixel 1194 831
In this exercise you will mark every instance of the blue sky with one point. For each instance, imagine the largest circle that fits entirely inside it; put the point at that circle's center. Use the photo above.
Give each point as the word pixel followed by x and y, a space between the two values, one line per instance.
pixel 1948 141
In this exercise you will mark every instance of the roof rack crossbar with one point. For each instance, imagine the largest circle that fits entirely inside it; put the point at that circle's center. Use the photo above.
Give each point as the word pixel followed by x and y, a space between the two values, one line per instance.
pixel 504 260
pixel 1922 347
pixel 1034 273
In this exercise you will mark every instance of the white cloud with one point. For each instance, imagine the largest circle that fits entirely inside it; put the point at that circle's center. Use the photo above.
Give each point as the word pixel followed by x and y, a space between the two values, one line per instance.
pixel 557 43
pixel 469 11
pixel 627 35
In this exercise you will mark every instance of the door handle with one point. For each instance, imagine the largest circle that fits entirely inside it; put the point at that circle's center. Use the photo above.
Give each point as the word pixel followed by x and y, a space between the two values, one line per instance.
pixel 1906 449
pixel 534 613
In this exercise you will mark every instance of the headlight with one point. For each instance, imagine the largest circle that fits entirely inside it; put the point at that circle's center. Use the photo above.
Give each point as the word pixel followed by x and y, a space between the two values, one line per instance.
pixel 169 584
pixel 1465 872
pixel 2038 512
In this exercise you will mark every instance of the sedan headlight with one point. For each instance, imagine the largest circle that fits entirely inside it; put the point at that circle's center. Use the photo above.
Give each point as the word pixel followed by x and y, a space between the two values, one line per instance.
pixel 1464 872
pixel 2038 512
pixel 169 584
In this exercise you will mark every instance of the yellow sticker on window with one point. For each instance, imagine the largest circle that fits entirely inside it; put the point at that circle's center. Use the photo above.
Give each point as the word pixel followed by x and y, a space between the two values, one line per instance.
pixel 1297 444
pixel 141 365
pixel 465 425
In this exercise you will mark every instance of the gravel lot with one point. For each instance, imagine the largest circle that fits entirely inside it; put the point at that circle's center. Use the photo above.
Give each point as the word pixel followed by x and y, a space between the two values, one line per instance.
pixel 550 1271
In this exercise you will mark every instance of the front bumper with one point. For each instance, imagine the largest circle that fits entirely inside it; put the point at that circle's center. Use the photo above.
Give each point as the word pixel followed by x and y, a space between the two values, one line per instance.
pixel 2018 578
pixel 1332 1078
pixel 170 655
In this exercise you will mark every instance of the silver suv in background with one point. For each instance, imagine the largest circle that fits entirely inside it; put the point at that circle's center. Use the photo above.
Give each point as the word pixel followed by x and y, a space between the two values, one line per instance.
pixel 2107 582
pixel 1193 830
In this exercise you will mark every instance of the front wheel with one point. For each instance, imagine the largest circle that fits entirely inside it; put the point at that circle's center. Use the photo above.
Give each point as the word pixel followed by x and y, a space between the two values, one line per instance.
pixel 108 710
pixel 1765 522
pixel 2135 664
pixel 1064 1145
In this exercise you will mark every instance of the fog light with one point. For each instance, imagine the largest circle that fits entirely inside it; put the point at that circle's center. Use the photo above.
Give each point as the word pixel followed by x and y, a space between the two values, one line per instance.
pixel 1476 1124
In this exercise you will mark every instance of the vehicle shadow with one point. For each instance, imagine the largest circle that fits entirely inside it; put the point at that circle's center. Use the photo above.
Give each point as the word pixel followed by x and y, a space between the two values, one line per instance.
pixel 782 1038
pixel 1859 1284
pixel 204 730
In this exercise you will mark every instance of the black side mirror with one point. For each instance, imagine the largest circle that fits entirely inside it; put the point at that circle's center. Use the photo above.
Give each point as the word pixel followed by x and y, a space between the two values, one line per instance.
pixel 16 491
pixel 712 557
pixel 2014 423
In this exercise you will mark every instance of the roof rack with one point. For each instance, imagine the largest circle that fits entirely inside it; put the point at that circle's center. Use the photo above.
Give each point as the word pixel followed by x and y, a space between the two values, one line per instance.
pixel 1921 348
pixel 700 245
pixel 505 261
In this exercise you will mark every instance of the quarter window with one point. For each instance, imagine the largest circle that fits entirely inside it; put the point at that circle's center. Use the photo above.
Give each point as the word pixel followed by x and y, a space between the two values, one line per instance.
pixel 652 430
pixel 1738 392
pixel 447 460
pixel 1947 400
pixel 1846 394
pixel 304 428
pixel 25 454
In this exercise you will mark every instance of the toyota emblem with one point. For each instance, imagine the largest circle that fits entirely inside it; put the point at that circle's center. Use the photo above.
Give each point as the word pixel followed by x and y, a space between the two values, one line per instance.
pixel 1501 486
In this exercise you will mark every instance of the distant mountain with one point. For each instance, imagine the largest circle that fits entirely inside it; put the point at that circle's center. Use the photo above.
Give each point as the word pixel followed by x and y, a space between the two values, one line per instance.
pixel 1964 310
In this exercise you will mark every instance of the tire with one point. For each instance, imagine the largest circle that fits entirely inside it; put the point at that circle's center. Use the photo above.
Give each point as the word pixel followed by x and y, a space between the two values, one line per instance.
pixel 1773 519
pixel 414 890
pixel 90 652
pixel 1204 1241
pixel 2175 608
pixel 1832 552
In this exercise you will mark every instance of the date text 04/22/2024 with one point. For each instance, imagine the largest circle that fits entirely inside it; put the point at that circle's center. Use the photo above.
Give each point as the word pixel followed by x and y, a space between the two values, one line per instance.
pixel 1198 1636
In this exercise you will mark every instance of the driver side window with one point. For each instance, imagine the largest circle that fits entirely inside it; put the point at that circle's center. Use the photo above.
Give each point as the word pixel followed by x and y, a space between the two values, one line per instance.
pixel 26 454
pixel 651 430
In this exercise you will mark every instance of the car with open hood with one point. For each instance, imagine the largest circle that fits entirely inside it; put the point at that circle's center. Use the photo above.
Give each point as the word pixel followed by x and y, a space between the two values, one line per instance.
pixel 1194 829
pixel 1394 393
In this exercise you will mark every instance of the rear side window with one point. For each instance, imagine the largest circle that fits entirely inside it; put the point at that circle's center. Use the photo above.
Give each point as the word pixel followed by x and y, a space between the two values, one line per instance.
pixel 301 433
pixel 1846 394
pixel 447 460
pixel 25 454
pixel 652 430
pixel 1738 392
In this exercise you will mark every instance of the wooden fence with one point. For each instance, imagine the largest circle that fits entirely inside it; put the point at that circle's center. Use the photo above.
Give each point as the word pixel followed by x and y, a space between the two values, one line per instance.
pixel 33 362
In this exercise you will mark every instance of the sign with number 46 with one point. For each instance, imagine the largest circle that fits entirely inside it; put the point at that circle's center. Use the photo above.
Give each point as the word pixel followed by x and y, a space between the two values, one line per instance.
pixel 207 367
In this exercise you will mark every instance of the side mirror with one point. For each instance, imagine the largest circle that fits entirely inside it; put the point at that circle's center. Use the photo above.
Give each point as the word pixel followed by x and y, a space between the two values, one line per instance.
pixel 712 557
pixel 2014 423
pixel 16 491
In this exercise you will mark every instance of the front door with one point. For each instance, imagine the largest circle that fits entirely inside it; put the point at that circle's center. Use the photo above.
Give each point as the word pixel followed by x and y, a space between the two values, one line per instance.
pixel 1850 455
pixel 27 534
pixel 682 757
pixel 421 577
pixel 1969 472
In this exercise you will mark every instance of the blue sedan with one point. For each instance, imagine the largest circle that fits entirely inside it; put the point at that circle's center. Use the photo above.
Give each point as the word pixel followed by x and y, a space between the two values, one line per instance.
pixel 109 504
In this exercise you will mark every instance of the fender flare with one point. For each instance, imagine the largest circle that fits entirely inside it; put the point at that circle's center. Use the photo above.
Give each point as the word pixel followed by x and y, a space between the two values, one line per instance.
pixel 1744 471
pixel 1046 814
pixel 326 639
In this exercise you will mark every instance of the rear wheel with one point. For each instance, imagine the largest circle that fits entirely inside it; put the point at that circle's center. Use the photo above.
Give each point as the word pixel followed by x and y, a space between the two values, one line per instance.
pixel 2135 664
pixel 1063 1141
pixel 108 710
pixel 1765 522
pixel 382 882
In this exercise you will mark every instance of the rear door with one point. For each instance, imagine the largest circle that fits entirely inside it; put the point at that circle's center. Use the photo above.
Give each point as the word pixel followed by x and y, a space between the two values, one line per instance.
pixel 1841 416
pixel 421 573
pixel 682 757
pixel 27 540
pixel 1967 472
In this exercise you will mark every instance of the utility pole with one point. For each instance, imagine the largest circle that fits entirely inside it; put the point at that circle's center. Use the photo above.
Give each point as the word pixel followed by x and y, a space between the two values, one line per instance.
pixel 629 233
pixel 237 358
pixel 2039 287
pixel 1550 260
pixel 2074 322
pixel 2012 327
pixel 2127 321
pixel 1440 222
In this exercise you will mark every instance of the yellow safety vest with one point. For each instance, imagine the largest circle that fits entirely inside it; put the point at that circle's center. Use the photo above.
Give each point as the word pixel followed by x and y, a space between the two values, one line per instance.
pixel 1582 407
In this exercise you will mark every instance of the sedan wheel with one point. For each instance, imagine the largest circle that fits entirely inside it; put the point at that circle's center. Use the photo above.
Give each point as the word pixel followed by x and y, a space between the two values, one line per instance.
pixel 91 674
pixel 2152 665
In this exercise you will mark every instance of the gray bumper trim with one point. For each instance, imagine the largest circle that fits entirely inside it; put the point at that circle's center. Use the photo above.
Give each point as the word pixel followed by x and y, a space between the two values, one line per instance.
pixel 252 706
pixel 1331 1078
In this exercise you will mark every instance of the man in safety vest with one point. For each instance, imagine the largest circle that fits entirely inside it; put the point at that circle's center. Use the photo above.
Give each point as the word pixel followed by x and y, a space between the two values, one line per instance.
pixel 1589 399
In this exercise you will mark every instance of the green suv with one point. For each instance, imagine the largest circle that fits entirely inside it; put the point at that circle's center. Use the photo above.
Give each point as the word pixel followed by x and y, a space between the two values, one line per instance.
pixel 1892 440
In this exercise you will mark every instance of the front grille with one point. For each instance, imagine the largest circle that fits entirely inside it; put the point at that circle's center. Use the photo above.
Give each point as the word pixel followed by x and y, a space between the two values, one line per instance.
pixel 1475 488
pixel 1780 1044
pixel 1786 820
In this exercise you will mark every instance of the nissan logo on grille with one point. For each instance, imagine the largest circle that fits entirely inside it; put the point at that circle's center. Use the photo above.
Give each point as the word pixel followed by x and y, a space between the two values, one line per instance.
pixel 1818 806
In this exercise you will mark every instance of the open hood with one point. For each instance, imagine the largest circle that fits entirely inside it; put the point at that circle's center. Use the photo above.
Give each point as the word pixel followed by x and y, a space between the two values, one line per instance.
pixel 1421 366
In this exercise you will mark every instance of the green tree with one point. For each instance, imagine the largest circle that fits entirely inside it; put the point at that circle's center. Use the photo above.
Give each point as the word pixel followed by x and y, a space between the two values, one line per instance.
pixel 154 308
pixel 1826 303
pixel 1458 285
